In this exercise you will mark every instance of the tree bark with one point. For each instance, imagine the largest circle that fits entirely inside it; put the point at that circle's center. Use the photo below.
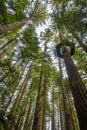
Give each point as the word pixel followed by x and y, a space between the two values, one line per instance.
pixel 29 105
pixel 2 79
pixel 13 26
pixel 8 43
pixel 78 90
pixel 61 110
pixel 67 112
pixel 39 110
pixel 23 87
pixel 38 116
pixel 2 54
pixel 10 98
pixel 72 109
pixel 53 111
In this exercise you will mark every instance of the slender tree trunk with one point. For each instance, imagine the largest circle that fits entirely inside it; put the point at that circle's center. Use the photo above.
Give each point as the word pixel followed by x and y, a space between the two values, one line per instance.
pixel 43 123
pixel 19 122
pixel 1 80
pixel 2 54
pixel 18 99
pixel 61 110
pixel 8 49
pixel 78 90
pixel 38 117
pixel 9 101
pixel 22 111
pixel 8 43
pixel 27 120
pixel 53 112
pixel 44 108
pixel 13 26
pixel 28 108
pixel 29 126
pixel 58 114
pixel 19 96
pixel 23 87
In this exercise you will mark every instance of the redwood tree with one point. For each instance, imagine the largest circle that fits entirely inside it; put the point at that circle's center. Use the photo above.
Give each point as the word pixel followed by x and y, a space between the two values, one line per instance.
pixel 78 89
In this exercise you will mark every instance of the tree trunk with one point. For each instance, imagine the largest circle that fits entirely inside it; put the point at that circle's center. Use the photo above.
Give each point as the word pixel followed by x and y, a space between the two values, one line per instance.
pixel 61 110
pixel 38 117
pixel 8 43
pixel 2 54
pixel 72 109
pixel 10 98
pixel 13 26
pixel 43 123
pixel 18 99
pixel 2 79
pixel 28 108
pixel 23 87
pixel 78 90
pixel 8 49
pixel 39 111
pixel 53 112
pixel 67 112
pixel 27 120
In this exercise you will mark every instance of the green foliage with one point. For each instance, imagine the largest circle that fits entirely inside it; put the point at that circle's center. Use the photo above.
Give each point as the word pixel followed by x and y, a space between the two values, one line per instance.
pixel 1 126
pixel 11 11
pixel 47 35
pixel 5 15
pixel 1 19
pixel 30 42
pixel 38 14
pixel 68 17
pixel 18 8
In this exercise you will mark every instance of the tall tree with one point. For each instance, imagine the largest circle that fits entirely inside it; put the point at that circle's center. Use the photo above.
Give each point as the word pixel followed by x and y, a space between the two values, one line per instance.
pixel 78 89
pixel 53 109
pixel 67 111
pixel 38 117
pixel 38 15
pixel 76 84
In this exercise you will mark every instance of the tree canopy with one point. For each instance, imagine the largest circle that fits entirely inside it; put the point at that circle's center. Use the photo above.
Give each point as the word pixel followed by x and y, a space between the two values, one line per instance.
pixel 43 65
